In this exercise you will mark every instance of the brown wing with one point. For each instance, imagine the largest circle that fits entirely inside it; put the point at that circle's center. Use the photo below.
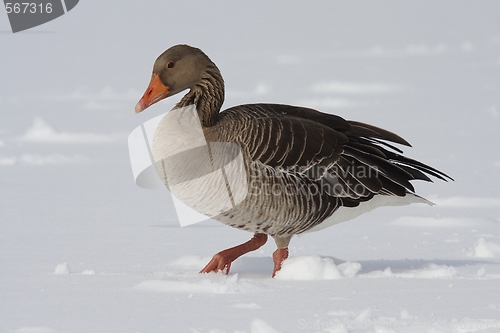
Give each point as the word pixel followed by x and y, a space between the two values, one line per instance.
pixel 347 159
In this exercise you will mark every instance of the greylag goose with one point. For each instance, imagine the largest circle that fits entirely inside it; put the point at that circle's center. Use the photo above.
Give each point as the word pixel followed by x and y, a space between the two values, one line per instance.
pixel 287 169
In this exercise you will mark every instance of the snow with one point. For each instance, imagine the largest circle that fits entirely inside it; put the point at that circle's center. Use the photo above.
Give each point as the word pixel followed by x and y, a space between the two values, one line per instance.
pixel 85 250
pixel 354 88
pixel 435 222
pixel 216 285
pixel 316 268
pixel 432 271
pixel 62 268
pixel 485 249
pixel 247 306
pixel 41 132
pixel 88 272
pixel 35 330
pixel 260 326
pixel 467 202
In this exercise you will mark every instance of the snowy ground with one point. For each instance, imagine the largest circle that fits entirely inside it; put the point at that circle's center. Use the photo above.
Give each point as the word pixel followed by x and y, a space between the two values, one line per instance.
pixel 82 249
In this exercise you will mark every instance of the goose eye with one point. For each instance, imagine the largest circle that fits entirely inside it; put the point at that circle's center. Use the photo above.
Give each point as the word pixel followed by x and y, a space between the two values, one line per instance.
pixel 170 64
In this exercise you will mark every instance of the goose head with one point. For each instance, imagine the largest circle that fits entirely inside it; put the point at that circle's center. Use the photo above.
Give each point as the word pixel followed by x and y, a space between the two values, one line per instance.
pixel 179 68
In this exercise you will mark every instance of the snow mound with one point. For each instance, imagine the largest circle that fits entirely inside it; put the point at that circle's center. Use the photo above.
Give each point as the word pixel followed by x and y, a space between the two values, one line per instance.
pixel 40 131
pixel 364 315
pixel 260 326
pixel 430 272
pixel 216 284
pixel 484 249
pixel 62 268
pixel 405 314
pixel 316 268
pixel 88 272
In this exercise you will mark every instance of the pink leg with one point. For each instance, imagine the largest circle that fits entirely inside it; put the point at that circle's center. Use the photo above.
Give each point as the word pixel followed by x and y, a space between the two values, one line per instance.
pixel 222 260
pixel 278 257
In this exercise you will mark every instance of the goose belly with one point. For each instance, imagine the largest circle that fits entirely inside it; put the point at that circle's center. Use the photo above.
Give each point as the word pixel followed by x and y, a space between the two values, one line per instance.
pixel 278 204
pixel 343 214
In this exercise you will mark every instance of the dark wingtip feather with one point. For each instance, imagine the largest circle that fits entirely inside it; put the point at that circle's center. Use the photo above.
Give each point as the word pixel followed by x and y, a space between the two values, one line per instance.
pixel 382 133
pixel 419 165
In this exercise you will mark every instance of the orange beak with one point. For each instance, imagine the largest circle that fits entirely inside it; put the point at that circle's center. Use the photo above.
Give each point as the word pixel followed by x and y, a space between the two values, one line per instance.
pixel 155 92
